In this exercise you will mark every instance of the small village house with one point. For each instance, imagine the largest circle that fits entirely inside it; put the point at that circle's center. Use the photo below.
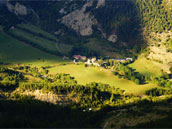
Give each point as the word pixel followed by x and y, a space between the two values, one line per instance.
pixel 79 57
pixel 123 59
pixel 89 62
pixel 131 59
pixel 84 58
pixel 12 28
pixel 93 60
pixel 76 57
pixel 120 59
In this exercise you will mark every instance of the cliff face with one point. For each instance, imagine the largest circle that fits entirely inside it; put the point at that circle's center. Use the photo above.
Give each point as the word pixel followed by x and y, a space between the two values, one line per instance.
pixel 18 9
pixel 80 21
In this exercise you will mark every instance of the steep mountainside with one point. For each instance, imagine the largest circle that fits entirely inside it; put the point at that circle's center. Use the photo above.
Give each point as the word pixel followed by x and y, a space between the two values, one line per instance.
pixel 126 24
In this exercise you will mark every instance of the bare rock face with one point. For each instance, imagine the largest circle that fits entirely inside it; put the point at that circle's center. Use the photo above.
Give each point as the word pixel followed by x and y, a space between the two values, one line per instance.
pixel 100 3
pixel 50 97
pixel 80 21
pixel 18 9
pixel 62 11
pixel 112 38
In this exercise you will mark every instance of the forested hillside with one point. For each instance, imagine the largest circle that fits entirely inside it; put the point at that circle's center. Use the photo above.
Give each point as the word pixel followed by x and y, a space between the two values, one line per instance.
pixel 155 15
pixel 121 22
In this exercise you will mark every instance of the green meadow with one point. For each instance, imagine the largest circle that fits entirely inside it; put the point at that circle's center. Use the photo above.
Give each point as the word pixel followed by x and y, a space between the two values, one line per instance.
pixel 14 51
pixel 40 38
pixel 36 30
pixel 37 40
pixel 146 67
pixel 86 75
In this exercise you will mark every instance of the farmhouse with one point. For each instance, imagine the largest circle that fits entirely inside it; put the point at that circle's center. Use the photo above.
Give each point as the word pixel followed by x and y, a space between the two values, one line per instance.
pixel 92 61
pixel 123 59
pixel 83 58
pixel 79 57
pixel 89 62
pixel 131 59
pixel 76 57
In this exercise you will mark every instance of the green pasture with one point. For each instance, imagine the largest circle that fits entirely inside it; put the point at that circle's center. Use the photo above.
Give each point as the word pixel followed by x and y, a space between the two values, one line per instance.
pixel 37 30
pixel 14 51
pixel 41 41
pixel 86 75
pixel 146 67
pixel 35 39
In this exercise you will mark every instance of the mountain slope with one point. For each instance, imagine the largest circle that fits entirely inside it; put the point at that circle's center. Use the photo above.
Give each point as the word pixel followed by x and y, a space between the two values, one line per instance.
pixel 14 51
pixel 131 26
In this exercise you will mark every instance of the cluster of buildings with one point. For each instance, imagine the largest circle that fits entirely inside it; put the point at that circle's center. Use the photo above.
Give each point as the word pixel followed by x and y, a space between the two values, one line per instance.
pixel 94 61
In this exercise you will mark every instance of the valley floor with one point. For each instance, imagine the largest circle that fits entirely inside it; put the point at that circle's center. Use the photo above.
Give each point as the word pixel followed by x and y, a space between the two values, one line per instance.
pixel 85 75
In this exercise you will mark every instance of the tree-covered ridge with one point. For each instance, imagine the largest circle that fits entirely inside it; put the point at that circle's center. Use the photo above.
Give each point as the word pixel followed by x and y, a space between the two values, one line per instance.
pixel 154 15
pixel 128 18
pixel 119 17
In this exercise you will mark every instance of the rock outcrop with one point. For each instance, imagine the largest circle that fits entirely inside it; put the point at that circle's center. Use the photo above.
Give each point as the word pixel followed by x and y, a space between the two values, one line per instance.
pixel 80 20
pixel 112 38
pixel 49 97
pixel 18 9
pixel 100 3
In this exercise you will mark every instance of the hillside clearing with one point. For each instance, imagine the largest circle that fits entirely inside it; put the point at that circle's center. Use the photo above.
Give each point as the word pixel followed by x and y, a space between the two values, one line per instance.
pixel 147 67
pixel 40 39
pixel 86 75
pixel 35 39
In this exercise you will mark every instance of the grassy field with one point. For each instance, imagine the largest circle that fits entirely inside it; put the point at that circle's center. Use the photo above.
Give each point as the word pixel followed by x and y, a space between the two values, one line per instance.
pixel 86 75
pixel 37 40
pixel 53 46
pixel 147 67
pixel 36 30
pixel 14 51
